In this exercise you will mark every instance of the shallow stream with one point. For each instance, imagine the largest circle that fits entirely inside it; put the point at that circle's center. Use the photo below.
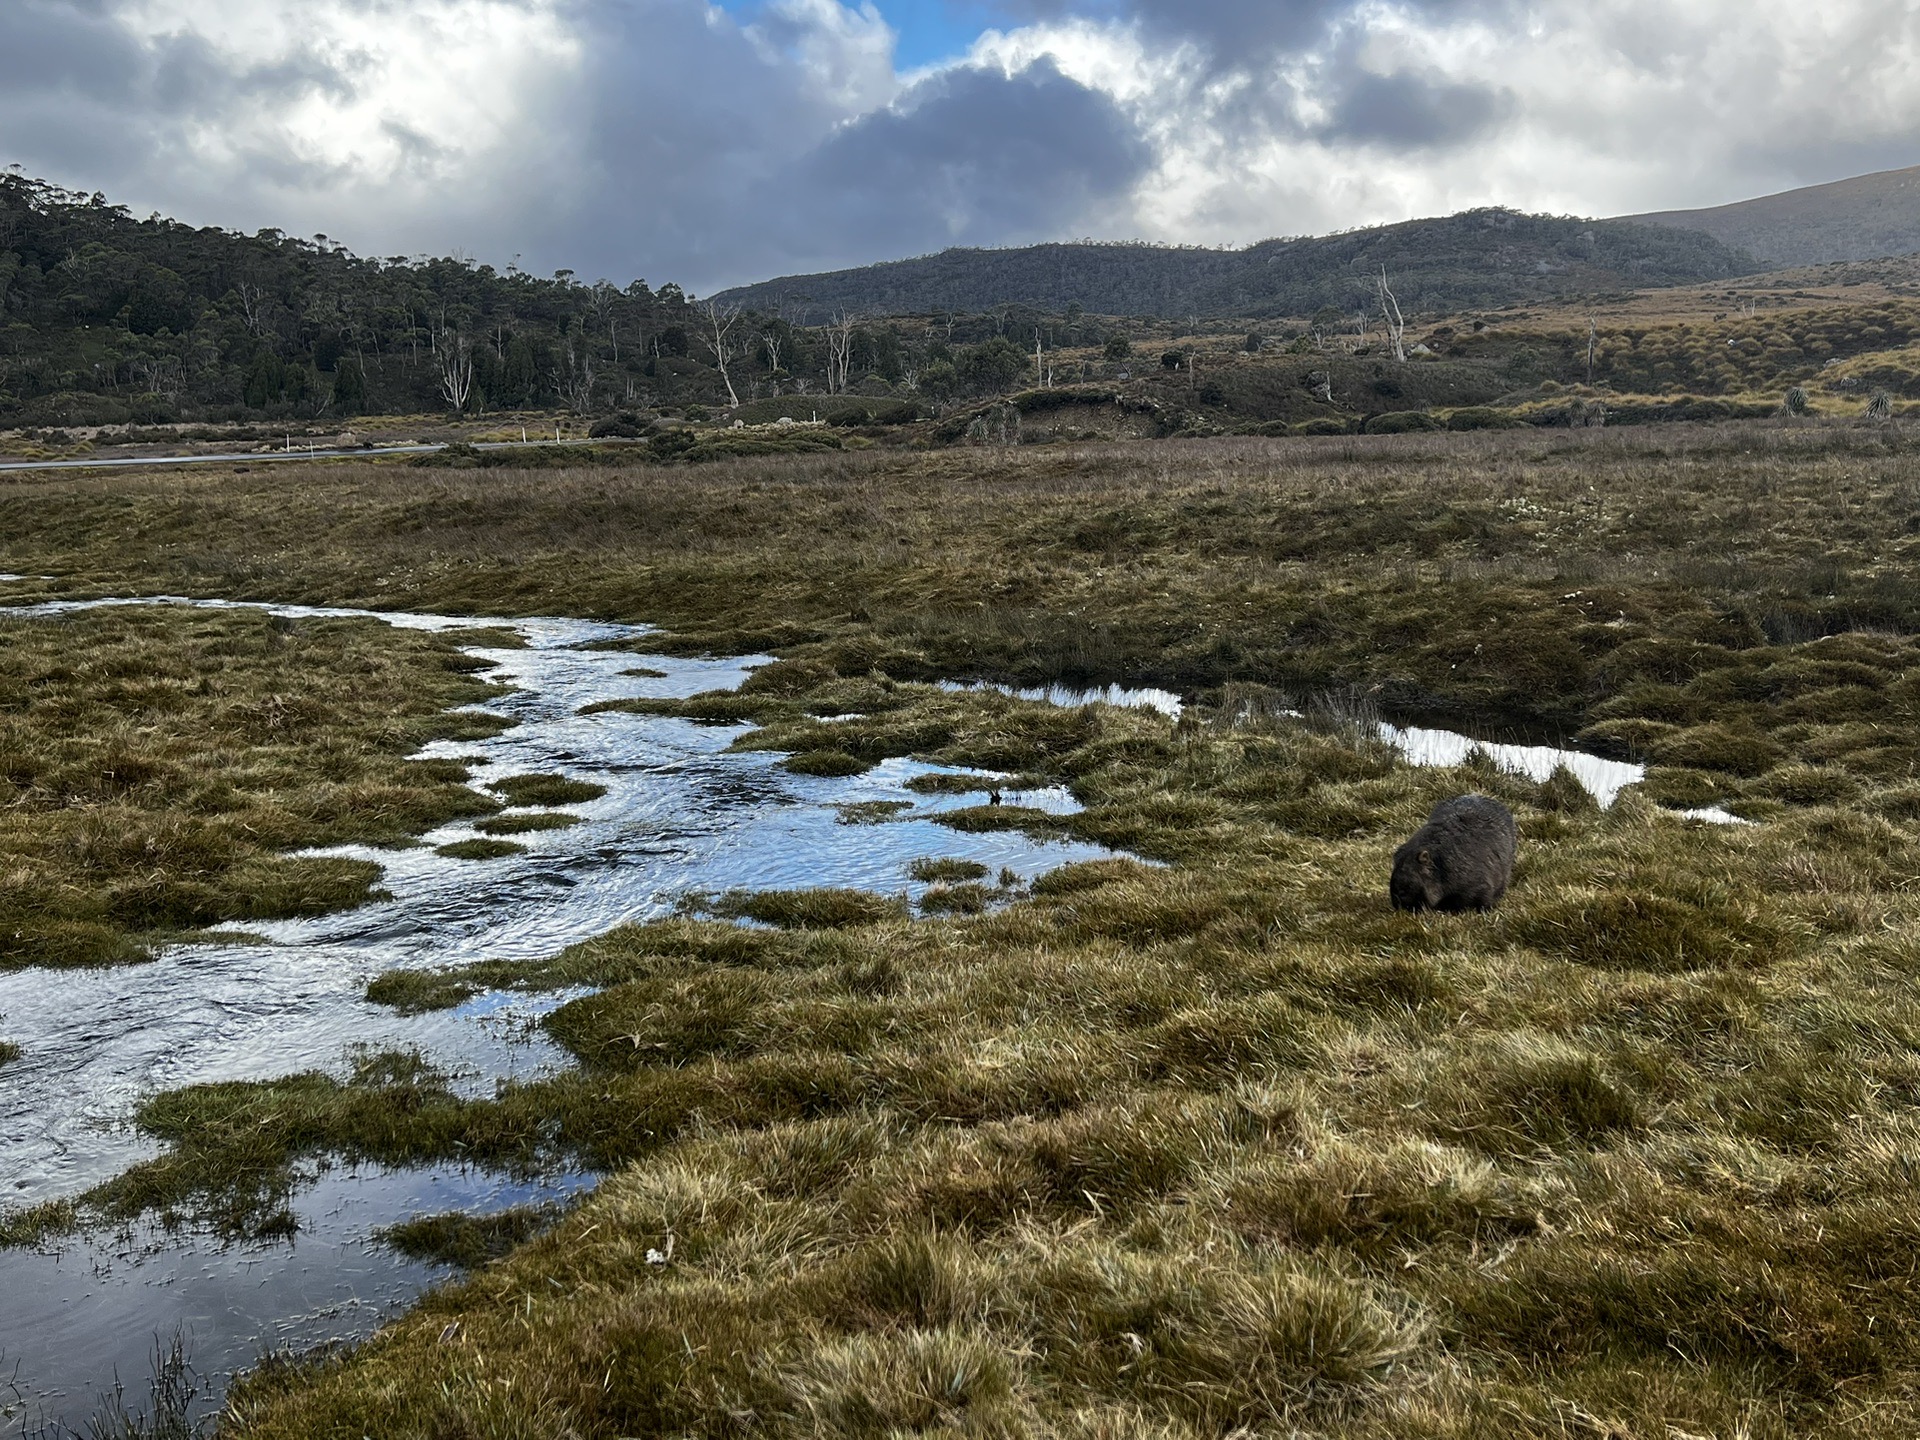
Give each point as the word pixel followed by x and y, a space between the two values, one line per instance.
pixel 681 814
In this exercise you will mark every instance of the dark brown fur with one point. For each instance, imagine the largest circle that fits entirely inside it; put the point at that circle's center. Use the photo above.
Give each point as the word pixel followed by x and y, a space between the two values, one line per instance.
pixel 1461 859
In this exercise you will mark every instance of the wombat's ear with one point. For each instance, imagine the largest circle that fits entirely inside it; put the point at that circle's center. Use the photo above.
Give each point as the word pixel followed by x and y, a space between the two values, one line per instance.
pixel 1425 857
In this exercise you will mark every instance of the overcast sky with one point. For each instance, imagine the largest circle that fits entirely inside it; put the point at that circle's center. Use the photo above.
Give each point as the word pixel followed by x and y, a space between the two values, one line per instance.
pixel 716 144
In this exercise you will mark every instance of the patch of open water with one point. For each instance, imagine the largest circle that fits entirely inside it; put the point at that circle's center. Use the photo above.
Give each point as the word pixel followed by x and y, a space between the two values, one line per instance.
pixel 1601 778
pixel 681 814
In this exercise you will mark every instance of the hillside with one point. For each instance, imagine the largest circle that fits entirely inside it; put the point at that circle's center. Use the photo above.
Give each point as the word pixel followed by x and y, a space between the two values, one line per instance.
pixel 1862 218
pixel 1479 259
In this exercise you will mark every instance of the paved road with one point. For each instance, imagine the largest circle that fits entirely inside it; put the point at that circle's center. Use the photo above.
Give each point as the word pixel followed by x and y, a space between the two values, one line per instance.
pixel 265 456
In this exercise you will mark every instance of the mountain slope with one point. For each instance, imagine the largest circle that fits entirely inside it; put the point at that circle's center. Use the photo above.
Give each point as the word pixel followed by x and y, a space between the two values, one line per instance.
pixel 1863 218
pixel 1478 259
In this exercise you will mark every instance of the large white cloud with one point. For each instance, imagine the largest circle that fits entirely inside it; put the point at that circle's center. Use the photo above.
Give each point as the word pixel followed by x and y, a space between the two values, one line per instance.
pixel 670 139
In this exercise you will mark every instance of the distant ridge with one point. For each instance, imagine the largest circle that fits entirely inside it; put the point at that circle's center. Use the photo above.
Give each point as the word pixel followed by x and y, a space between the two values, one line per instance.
pixel 1864 218
pixel 1476 260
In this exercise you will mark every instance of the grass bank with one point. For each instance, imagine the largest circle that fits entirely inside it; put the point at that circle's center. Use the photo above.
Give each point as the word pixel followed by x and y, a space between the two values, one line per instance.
pixel 155 762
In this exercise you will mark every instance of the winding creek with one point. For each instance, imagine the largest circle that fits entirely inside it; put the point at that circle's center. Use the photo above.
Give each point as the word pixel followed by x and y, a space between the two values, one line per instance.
pixel 681 813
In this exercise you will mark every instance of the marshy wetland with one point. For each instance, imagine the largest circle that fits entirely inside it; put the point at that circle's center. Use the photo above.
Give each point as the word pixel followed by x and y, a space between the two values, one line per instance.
pixel 1194 1137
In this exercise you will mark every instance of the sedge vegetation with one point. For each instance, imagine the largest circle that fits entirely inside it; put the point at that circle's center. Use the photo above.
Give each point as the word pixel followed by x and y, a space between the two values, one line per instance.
pixel 154 762
pixel 1211 1141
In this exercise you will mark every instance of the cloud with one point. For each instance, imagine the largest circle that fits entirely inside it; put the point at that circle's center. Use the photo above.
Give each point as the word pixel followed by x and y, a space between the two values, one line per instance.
pixel 672 139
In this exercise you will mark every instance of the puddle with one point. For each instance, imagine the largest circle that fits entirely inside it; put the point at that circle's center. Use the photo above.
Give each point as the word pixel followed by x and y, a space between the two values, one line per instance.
pixel 680 815
pixel 1165 701
pixel 90 1312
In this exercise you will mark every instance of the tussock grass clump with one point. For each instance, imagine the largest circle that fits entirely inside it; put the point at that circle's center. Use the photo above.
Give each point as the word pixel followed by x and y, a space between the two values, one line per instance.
pixel 871 812
pixel 970 899
pixel 1633 930
pixel 9 1052
pixel 932 870
pixel 467 1241
pixel 525 824
pixel 545 790
pixel 827 763
pixel 810 909
pixel 1530 1090
pixel 154 760
pixel 480 849
pixel 416 992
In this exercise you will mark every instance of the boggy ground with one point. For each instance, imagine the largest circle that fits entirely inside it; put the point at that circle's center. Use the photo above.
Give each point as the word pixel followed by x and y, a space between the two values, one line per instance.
pixel 1221 1143
pixel 155 761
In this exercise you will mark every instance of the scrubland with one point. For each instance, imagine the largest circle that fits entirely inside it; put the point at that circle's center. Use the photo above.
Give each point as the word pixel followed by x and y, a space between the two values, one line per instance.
pixel 1211 1141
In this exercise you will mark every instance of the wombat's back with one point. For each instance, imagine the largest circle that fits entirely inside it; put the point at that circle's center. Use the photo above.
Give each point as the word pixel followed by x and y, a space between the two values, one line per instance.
pixel 1461 859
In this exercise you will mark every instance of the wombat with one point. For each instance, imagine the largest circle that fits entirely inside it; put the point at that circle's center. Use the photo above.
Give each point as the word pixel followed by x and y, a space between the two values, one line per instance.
pixel 1461 859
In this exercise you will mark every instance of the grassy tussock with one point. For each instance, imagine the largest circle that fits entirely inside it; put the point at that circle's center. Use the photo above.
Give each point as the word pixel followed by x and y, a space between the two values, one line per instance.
pixel 525 824
pixel 480 849
pixel 153 762
pixel 467 1241
pixel 545 790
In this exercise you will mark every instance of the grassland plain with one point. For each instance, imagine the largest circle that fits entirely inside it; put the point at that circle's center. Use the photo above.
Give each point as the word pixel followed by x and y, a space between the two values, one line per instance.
pixel 154 762
pixel 1222 1144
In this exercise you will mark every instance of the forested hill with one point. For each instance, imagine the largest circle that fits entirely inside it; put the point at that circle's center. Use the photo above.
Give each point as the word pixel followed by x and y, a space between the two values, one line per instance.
pixel 1478 259
pixel 105 318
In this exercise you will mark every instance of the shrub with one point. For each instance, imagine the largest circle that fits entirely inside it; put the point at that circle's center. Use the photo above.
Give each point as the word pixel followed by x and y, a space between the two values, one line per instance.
pixel 1401 422
pixel 1482 417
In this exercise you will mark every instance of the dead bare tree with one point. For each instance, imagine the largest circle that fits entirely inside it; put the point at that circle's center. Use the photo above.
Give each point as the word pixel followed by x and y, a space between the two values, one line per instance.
pixel 839 352
pixel 721 320
pixel 573 376
pixel 1390 313
pixel 453 355
pixel 253 306
pixel 1593 340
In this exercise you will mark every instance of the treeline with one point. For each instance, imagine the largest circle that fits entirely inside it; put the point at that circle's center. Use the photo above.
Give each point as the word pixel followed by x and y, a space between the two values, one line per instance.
pixel 1480 259
pixel 109 319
